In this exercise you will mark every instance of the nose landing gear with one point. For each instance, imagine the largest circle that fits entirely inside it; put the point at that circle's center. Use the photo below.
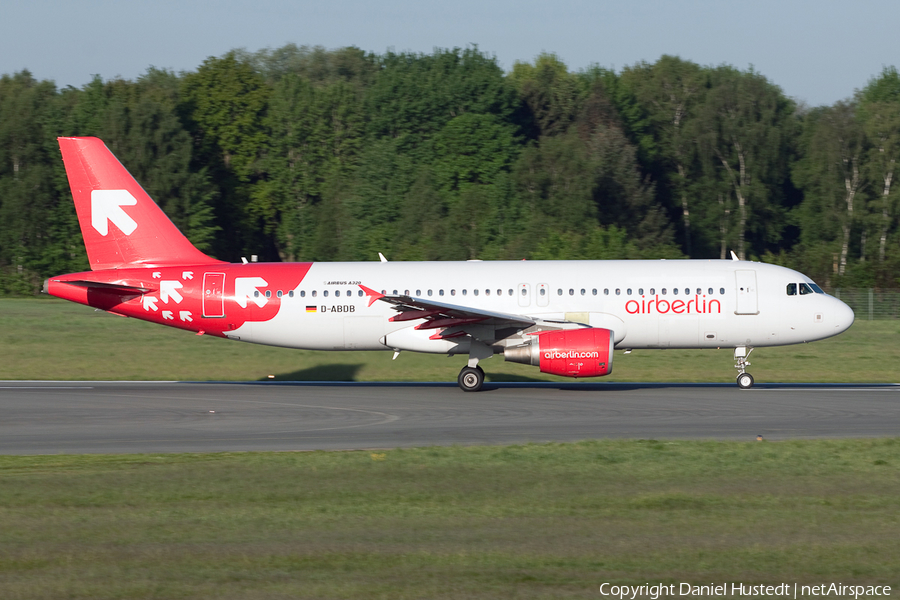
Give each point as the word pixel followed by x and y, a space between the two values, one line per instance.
pixel 744 379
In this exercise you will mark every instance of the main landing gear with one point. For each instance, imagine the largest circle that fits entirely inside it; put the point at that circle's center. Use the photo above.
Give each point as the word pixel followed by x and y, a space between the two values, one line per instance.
pixel 744 379
pixel 471 378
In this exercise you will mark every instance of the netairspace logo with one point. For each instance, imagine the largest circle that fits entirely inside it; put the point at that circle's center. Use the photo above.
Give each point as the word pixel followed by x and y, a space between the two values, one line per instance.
pixel 551 354
pixel 733 590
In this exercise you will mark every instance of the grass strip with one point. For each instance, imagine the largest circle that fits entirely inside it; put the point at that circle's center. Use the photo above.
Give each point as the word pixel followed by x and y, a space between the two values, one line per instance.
pixel 530 521
pixel 54 339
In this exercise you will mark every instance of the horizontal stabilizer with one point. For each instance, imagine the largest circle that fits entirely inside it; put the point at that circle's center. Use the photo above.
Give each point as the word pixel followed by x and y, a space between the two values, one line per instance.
pixel 110 287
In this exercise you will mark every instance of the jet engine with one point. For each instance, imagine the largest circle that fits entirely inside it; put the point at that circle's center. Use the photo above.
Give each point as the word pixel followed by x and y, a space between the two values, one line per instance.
pixel 584 352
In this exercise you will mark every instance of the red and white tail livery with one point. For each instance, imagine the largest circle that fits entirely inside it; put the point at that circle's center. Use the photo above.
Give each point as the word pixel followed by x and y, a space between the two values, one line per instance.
pixel 564 317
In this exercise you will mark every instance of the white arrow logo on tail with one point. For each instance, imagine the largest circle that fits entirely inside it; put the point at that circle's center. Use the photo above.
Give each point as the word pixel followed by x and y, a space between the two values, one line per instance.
pixel 167 315
pixel 106 206
pixel 149 303
pixel 246 287
pixel 185 315
pixel 187 274
pixel 169 289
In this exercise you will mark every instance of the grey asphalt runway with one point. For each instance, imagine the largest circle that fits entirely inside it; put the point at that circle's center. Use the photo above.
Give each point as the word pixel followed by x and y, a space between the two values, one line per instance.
pixel 130 417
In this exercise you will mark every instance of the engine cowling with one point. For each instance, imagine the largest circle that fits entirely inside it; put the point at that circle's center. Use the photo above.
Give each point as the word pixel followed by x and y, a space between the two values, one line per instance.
pixel 584 352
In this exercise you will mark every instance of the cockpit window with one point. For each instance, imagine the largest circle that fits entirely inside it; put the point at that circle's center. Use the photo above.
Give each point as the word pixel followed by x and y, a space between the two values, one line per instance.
pixel 816 288
pixel 792 289
pixel 805 289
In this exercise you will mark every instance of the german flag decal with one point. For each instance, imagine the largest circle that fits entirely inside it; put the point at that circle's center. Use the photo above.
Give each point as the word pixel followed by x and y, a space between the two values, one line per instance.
pixel 310 309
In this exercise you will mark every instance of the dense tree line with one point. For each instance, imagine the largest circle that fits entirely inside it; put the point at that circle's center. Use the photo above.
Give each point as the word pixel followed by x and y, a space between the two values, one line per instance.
pixel 307 154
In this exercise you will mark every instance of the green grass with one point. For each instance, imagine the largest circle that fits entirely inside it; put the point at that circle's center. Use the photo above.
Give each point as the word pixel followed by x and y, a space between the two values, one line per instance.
pixel 54 339
pixel 533 521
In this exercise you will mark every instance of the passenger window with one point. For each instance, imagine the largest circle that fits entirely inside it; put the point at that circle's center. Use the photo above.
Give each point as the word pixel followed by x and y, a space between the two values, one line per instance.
pixel 664 291
pixel 325 293
pixel 256 294
pixel 559 292
pixel 337 293
pixel 486 292
pixel 606 291
pixel 359 293
pixel 792 289
pixel 268 293
pixel 543 292
pixel 406 292
pixel 722 290
pixel 805 289
pixel 278 293
pixel 394 293
pixel 418 292
pixel 675 291
pixel 687 291
pixel 452 292
pixel 699 291
pixel 510 292
pixel 440 292
pixel 618 292
pixel 628 291
pixel 524 291
pixel 429 292
pixel 314 293
pixel 640 291
pixel 582 291
pixel 466 292
pixel 652 291
pixel 571 292
pixel 594 291
pixel 710 291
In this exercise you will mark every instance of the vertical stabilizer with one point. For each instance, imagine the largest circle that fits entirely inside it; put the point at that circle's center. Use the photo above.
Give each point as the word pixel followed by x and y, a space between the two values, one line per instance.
pixel 122 226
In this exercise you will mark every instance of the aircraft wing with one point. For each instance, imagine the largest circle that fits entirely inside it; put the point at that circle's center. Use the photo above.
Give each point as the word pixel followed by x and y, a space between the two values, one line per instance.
pixel 452 319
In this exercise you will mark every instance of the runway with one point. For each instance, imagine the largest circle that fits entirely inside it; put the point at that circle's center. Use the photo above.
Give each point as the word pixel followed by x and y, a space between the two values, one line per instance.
pixel 137 417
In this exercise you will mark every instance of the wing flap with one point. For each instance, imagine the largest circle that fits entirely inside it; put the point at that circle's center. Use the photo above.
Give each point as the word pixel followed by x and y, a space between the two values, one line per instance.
pixel 452 318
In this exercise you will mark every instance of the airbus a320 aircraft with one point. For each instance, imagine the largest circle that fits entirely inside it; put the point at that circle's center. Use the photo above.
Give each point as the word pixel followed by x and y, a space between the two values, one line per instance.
pixel 565 317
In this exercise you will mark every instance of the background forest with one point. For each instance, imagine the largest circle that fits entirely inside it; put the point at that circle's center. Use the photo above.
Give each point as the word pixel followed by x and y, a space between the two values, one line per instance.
pixel 308 154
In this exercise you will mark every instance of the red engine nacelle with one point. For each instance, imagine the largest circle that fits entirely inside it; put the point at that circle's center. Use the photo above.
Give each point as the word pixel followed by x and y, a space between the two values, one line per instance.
pixel 570 352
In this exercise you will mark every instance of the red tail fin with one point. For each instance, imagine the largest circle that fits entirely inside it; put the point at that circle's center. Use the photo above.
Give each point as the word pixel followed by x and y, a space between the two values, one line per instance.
pixel 122 226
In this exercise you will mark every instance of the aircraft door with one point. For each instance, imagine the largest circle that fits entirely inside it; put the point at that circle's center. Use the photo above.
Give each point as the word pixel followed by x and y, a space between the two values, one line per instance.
pixel 542 293
pixel 524 293
pixel 745 285
pixel 214 294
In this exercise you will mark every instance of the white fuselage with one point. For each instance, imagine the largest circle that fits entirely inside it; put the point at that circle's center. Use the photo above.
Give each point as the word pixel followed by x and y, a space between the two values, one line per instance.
pixel 647 304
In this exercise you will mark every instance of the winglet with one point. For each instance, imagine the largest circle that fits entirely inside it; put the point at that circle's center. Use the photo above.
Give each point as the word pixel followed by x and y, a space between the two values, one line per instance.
pixel 372 294
pixel 381 257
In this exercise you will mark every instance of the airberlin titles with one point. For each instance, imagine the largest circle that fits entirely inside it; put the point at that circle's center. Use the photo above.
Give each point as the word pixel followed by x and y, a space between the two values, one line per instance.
pixel 699 305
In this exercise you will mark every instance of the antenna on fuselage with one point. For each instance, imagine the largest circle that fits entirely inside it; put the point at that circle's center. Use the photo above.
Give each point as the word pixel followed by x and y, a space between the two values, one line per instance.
pixel 381 257
pixel 734 256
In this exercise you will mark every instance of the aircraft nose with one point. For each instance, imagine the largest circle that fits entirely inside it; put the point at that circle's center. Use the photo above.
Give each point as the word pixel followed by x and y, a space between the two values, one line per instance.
pixel 843 316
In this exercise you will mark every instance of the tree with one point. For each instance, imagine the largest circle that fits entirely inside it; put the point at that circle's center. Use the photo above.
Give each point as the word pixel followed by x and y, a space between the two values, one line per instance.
pixel 315 134
pixel 671 92
pixel 829 173
pixel 746 125
pixel 879 109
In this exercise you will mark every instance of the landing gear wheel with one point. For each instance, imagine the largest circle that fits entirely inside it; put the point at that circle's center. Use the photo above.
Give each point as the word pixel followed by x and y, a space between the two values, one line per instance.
pixel 745 381
pixel 470 379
